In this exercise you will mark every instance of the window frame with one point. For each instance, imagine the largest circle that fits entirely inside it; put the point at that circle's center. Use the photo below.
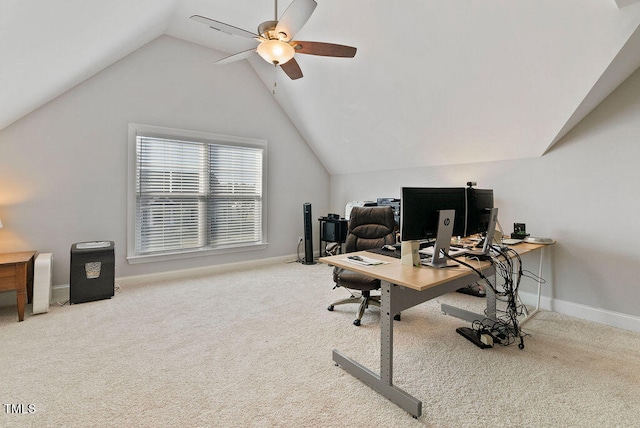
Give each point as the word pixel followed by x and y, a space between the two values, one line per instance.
pixel 135 130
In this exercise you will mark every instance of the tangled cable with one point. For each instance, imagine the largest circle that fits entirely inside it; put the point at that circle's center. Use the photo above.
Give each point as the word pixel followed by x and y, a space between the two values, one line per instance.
pixel 508 267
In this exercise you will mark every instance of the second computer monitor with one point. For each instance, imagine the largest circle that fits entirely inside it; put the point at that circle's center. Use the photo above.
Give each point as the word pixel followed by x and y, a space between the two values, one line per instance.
pixel 489 234
pixel 479 203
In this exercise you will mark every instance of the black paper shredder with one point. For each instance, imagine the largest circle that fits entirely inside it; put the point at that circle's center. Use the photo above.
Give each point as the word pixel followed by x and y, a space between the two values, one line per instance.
pixel 92 274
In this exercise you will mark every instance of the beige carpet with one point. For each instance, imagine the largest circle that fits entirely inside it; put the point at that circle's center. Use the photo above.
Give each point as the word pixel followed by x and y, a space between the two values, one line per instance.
pixel 254 348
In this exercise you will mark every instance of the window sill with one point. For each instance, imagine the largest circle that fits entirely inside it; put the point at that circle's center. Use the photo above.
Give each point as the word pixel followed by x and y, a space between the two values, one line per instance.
pixel 150 258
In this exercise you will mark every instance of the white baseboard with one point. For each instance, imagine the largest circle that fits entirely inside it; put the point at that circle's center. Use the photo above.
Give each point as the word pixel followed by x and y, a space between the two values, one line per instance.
pixel 589 313
pixel 60 293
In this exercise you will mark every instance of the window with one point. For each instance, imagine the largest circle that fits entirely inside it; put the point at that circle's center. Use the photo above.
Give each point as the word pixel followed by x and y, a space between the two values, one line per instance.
pixel 192 193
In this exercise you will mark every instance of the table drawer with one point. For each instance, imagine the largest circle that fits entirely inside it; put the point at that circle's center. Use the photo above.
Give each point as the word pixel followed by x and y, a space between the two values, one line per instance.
pixel 7 271
pixel 7 277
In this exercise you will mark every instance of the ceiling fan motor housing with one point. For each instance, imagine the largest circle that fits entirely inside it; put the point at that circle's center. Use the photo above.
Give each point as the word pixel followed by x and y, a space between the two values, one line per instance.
pixel 268 30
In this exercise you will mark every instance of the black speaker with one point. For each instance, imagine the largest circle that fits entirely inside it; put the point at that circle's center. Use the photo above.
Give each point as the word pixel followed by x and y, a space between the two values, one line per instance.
pixel 308 233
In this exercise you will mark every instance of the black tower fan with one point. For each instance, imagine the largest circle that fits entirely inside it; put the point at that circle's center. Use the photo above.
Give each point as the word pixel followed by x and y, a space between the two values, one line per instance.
pixel 308 232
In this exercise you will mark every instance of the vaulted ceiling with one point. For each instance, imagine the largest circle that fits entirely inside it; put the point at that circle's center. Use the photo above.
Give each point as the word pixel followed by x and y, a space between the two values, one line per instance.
pixel 433 82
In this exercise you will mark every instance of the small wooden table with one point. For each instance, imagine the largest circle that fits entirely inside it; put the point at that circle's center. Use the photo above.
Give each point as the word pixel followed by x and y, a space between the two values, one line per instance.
pixel 16 273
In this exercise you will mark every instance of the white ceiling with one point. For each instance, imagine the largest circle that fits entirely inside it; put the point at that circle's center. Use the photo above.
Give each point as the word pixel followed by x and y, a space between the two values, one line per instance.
pixel 434 81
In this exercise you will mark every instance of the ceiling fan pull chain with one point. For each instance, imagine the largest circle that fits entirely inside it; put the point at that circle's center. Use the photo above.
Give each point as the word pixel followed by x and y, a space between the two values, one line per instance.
pixel 275 75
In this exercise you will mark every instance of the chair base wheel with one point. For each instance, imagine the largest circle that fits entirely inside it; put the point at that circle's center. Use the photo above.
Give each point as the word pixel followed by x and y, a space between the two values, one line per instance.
pixel 356 322
pixel 330 308
pixel 396 317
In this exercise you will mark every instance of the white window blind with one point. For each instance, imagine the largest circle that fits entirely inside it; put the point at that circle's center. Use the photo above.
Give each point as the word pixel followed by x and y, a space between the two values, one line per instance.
pixel 196 195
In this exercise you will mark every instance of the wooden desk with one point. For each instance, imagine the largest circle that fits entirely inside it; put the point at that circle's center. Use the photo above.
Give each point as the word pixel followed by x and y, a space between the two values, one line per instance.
pixel 403 287
pixel 16 273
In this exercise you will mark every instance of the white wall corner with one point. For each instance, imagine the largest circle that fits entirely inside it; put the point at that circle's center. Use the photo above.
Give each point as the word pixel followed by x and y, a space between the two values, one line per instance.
pixel 623 3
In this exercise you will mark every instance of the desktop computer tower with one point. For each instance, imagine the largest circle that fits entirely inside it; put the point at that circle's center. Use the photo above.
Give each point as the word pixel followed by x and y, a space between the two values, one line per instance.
pixel 92 275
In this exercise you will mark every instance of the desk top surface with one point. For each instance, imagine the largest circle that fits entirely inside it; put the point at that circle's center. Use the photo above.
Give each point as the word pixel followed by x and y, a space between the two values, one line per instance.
pixel 417 278
pixel 19 257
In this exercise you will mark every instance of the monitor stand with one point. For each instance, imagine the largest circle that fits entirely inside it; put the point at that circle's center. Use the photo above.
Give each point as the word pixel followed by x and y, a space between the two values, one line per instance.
pixel 488 240
pixel 443 240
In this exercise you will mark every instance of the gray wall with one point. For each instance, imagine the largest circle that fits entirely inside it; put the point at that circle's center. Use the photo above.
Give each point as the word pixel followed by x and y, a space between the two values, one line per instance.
pixel 63 175
pixel 63 168
pixel 583 193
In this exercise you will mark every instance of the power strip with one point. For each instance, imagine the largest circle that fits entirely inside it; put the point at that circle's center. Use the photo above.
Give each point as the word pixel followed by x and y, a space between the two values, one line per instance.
pixel 482 341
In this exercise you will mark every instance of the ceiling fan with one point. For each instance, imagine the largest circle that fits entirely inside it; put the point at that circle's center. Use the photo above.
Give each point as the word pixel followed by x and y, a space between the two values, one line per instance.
pixel 275 37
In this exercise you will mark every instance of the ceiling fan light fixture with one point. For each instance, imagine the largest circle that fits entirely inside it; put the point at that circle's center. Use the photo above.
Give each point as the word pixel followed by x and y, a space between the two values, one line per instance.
pixel 275 51
pixel 275 37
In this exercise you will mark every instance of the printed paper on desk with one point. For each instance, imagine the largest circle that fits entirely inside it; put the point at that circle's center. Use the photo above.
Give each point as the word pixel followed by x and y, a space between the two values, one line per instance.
pixel 365 261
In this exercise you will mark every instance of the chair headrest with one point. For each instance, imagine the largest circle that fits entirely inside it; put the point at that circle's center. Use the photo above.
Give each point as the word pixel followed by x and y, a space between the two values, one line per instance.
pixel 371 222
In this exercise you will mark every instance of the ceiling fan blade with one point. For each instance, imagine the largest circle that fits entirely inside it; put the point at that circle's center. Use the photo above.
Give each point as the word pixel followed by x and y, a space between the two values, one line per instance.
pixel 236 57
pixel 324 49
pixel 225 28
pixel 292 69
pixel 294 18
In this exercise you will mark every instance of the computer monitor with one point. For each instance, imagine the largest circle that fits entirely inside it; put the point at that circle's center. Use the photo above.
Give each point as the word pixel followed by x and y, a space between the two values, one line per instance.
pixel 489 234
pixel 420 207
pixel 479 202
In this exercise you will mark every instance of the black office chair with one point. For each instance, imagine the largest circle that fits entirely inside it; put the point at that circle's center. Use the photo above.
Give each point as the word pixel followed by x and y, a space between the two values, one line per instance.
pixel 369 228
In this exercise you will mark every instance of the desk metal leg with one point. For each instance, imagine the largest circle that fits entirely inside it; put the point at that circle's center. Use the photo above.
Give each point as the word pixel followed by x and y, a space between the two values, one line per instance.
pixel 382 383
pixel 393 300
pixel 490 312
pixel 537 308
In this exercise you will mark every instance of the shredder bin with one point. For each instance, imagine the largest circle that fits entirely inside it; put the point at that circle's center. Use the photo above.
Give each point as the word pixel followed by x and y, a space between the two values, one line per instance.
pixel 92 275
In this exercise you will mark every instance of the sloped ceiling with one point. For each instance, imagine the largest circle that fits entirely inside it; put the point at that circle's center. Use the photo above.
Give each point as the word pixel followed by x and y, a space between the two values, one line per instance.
pixel 434 81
